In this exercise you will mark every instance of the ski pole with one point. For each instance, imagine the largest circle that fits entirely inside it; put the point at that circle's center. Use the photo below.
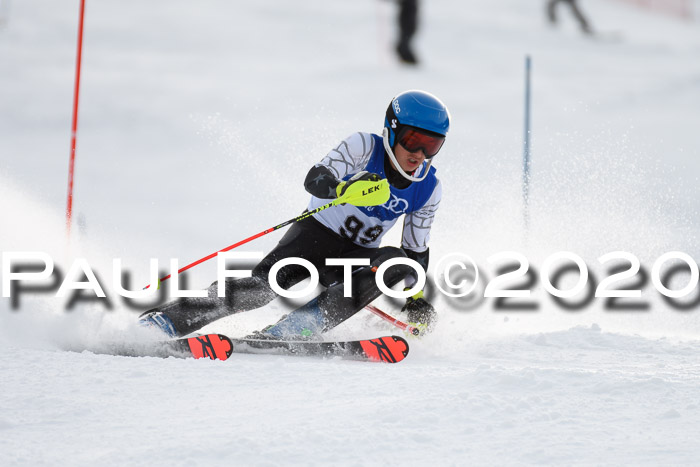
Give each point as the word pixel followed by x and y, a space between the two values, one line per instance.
pixel 300 218
pixel 378 194
pixel 399 324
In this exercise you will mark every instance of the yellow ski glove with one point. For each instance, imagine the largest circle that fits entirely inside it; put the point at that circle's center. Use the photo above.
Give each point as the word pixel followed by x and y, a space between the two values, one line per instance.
pixel 364 189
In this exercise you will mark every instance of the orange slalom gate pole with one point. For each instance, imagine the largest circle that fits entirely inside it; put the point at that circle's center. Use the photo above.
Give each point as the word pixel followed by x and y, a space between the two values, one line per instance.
pixel 74 125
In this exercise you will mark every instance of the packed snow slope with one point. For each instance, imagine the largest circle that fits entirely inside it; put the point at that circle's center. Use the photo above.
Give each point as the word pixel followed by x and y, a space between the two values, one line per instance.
pixel 198 122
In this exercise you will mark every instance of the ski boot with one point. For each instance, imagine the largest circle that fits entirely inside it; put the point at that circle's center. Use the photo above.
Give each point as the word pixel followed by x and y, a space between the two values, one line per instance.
pixel 304 323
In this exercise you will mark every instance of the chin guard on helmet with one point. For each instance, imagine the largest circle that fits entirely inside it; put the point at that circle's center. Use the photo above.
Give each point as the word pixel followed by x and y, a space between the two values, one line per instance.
pixel 390 153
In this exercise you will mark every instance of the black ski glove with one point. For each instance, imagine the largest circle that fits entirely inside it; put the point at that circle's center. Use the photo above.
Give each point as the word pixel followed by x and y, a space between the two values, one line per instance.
pixel 420 313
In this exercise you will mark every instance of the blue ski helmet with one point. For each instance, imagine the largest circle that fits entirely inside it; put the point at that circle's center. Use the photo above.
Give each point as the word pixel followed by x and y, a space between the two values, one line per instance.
pixel 417 109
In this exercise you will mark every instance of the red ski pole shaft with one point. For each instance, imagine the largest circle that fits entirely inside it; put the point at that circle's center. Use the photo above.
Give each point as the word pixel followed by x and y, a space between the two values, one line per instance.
pixel 300 218
pixel 399 324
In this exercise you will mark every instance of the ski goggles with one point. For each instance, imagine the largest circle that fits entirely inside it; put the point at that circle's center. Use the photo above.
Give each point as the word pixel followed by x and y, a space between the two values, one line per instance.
pixel 413 140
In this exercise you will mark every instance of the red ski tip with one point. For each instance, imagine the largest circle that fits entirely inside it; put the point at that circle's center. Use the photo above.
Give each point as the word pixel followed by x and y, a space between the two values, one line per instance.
pixel 213 346
pixel 390 349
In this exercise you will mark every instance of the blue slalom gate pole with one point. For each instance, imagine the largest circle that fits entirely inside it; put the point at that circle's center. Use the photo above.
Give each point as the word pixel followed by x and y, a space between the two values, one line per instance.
pixel 526 148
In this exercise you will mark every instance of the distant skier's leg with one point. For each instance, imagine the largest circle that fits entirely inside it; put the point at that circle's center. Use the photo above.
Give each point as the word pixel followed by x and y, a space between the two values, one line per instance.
pixel 552 11
pixel 582 21
pixel 408 24
pixel 331 307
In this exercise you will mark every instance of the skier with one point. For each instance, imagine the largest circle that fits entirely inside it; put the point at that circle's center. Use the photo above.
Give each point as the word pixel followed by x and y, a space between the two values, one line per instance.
pixel 415 128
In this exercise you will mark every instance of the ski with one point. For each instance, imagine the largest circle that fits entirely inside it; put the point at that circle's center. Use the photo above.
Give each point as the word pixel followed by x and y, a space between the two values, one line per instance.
pixel 388 349
pixel 212 346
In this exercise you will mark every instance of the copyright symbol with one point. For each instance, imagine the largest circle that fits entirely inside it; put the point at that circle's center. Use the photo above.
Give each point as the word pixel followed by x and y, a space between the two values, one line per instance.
pixel 457 264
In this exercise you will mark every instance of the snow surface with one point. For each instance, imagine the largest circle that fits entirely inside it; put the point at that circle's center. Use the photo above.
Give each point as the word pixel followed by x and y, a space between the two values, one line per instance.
pixel 198 122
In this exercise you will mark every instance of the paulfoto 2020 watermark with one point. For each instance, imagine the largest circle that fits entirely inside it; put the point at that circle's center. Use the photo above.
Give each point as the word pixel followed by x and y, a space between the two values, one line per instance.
pixel 455 275
pixel 624 287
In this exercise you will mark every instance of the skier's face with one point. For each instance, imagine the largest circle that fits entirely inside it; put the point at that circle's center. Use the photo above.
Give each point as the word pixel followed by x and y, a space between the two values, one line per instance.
pixel 409 161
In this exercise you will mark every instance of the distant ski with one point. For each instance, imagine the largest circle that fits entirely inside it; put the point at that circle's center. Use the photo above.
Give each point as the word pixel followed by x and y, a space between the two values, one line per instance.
pixel 388 349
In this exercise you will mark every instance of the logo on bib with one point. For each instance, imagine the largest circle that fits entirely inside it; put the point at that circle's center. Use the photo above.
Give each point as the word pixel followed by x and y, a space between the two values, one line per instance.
pixel 397 205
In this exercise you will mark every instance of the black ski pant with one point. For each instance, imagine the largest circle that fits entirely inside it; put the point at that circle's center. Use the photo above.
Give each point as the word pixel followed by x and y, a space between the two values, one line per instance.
pixel 313 242
pixel 408 21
